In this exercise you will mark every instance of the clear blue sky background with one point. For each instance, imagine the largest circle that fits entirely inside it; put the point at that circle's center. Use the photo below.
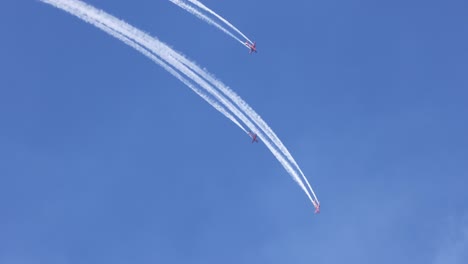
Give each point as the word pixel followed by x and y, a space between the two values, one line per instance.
pixel 106 158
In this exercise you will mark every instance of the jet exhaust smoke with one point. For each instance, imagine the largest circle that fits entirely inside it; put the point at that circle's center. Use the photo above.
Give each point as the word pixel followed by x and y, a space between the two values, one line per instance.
pixel 221 97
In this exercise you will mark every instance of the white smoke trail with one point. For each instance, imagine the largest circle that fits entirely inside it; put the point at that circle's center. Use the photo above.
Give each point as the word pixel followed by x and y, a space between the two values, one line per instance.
pixel 257 119
pixel 202 6
pixel 148 54
pixel 203 17
pixel 100 18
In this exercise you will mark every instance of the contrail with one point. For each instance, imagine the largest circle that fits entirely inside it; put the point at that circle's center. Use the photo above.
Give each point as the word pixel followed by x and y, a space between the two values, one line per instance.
pixel 203 17
pixel 74 8
pixel 202 6
pixel 158 61
pixel 257 119
pixel 138 39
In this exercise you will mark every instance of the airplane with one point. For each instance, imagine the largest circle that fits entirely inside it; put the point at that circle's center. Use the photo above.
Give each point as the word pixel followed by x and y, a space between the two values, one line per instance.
pixel 252 47
pixel 317 208
pixel 253 136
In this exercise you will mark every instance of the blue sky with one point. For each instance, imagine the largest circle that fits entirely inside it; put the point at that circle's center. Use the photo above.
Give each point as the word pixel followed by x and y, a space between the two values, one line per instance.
pixel 105 157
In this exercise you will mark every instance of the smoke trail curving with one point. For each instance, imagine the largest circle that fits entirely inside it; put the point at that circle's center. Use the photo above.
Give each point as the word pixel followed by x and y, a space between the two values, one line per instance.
pixel 203 17
pixel 137 39
pixel 202 6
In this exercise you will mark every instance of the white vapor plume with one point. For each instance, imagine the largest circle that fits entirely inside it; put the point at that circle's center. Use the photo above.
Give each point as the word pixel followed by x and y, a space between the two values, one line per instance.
pixel 257 119
pixel 148 54
pixel 203 17
pixel 202 6
pixel 175 63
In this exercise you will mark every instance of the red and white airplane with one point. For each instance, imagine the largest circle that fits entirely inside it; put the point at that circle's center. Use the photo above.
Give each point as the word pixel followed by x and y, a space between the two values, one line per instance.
pixel 253 136
pixel 317 208
pixel 252 47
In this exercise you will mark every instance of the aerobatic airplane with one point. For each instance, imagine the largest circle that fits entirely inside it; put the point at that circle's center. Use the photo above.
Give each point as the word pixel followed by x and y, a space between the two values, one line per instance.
pixel 253 136
pixel 252 47
pixel 317 208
